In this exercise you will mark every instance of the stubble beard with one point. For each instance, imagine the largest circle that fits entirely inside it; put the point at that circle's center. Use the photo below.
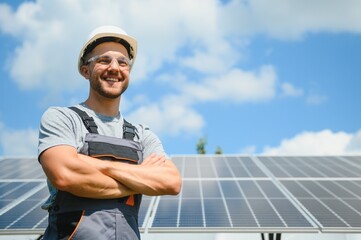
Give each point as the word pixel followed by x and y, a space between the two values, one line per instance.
pixel 100 89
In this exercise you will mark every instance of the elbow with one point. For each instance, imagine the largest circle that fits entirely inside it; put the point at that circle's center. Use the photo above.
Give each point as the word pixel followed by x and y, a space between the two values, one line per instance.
pixel 169 187
pixel 62 182
pixel 175 190
pixel 175 186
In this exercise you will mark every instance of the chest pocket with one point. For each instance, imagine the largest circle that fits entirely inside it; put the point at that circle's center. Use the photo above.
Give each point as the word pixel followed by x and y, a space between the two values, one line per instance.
pixel 110 148
pixel 114 149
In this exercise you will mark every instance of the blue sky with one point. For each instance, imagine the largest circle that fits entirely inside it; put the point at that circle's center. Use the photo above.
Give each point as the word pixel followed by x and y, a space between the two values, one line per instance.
pixel 253 77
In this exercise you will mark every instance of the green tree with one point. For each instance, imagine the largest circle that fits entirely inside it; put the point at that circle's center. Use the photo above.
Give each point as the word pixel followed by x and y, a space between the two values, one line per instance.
pixel 201 146
pixel 218 150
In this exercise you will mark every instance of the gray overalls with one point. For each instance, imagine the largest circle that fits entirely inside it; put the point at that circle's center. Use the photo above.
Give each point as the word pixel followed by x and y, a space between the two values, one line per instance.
pixel 73 217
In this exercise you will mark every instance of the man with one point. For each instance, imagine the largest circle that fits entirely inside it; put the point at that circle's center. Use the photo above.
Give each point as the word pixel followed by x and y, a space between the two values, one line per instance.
pixel 98 164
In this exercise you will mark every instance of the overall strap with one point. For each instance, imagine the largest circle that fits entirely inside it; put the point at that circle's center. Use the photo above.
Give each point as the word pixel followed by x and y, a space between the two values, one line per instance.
pixel 88 121
pixel 128 130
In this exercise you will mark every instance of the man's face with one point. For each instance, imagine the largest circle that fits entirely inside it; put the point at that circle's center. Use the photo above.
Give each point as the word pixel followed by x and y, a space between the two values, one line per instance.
pixel 107 75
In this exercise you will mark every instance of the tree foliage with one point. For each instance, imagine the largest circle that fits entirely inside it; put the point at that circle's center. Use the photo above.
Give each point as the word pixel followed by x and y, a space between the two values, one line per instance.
pixel 201 146
pixel 218 150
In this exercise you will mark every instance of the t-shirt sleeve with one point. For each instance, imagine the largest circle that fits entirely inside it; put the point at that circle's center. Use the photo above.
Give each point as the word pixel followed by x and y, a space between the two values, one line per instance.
pixel 56 128
pixel 151 143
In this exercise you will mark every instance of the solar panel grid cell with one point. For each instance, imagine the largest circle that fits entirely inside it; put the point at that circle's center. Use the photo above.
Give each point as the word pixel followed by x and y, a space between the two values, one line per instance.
pixel 167 213
pixel 355 203
pixel 241 214
pixel 352 186
pixel 334 169
pixel 296 189
pixel 270 189
pixel 230 189
pixel 222 168
pixel 290 214
pixel 191 214
pixel 215 213
pixel 20 169
pixel 315 189
pixel 325 217
pixel 293 168
pixel 28 218
pixel 16 190
pixel 235 168
pixel 349 214
pixel 265 214
pixel 250 189
pixel 276 170
pixel 251 168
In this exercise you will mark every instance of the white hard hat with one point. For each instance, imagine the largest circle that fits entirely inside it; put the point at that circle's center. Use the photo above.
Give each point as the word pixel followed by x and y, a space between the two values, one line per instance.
pixel 108 31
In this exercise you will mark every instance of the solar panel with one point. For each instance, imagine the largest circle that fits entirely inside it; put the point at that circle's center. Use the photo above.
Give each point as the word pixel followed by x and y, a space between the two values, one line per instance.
pixel 220 193
pixel 227 194
pixel 328 188
pixel 22 191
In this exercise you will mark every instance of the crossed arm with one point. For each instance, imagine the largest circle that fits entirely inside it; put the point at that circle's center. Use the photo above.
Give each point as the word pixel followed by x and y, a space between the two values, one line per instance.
pixel 85 176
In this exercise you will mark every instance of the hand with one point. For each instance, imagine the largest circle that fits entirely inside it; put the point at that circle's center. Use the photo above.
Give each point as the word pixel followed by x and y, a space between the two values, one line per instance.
pixel 154 159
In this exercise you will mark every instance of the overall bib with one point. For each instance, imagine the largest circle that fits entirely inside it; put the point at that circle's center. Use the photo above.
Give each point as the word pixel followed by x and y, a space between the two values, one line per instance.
pixel 79 218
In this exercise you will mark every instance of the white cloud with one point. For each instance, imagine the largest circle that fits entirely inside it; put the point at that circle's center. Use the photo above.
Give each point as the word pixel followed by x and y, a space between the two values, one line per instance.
pixel 218 57
pixel 176 113
pixel 51 34
pixel 316 99
pixel 235 86
pixel 170 117
pixel 248 150
pixel 290 90
pixel 290 19
pixel 18 142
pixel 324 142
pixel 354 145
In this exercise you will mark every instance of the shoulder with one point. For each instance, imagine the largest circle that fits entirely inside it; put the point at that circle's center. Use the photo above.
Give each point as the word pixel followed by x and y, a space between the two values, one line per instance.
pixel 143 132
pixel 148 137
pixel 59 126
pixel 57 112
pixel 141 128
pixel 59 115
pixel 149 140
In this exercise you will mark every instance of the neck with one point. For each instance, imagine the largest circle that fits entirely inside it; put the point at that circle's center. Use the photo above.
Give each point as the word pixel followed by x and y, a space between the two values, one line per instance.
pixel 106 107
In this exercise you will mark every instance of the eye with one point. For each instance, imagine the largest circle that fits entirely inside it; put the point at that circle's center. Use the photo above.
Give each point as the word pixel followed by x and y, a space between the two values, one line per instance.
pixel 105 60
pixel 123 62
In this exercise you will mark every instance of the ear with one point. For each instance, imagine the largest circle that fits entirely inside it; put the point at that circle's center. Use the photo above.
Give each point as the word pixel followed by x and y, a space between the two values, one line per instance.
pixel 84 70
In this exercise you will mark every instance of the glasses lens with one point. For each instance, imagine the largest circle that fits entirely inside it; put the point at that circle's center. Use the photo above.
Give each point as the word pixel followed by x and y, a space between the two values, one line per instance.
pixel 123 62
pixel 107 60
pixel 104 60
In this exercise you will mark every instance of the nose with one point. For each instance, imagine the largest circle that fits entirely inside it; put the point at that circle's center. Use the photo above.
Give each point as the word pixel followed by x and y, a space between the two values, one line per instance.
pixel 114 65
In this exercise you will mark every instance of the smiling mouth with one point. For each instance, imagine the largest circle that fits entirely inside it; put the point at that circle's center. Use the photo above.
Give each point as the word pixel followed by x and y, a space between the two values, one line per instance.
pixel 112 79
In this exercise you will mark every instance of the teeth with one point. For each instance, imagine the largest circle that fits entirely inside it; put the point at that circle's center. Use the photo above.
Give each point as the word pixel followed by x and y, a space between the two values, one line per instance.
pixel 112 79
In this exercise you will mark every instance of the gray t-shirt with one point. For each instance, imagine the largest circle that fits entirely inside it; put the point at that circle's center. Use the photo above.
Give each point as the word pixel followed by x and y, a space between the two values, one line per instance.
pixel 63 126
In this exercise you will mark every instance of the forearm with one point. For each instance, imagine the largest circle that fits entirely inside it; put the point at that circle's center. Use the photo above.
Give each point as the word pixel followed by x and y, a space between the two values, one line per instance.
pixel 149 179
pixel 71 172
pixel 99 185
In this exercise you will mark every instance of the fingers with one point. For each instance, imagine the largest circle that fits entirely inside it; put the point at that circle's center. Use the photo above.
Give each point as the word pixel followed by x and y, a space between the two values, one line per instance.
pixel 154 159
